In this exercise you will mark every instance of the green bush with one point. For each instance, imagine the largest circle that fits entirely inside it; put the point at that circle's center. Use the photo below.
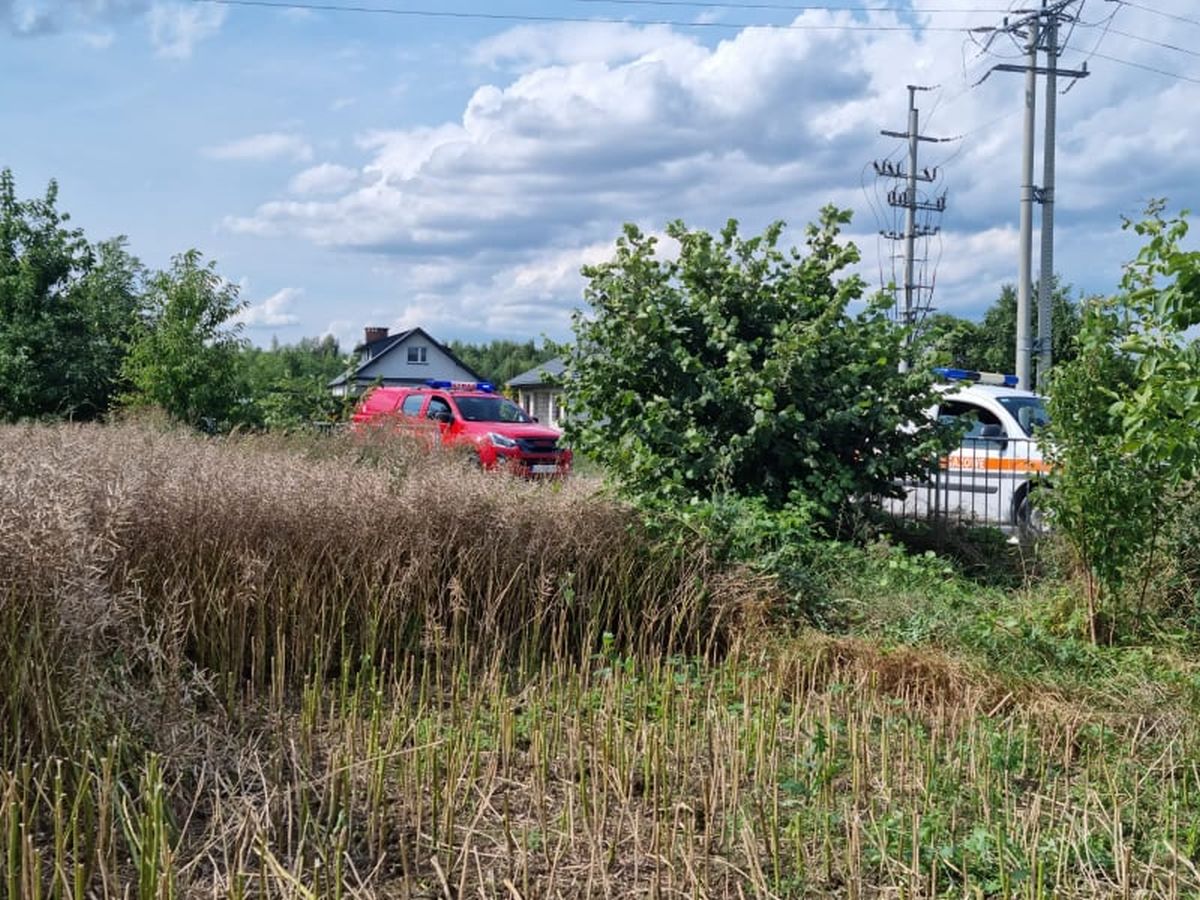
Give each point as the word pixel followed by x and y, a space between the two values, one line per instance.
pixel 1122 439
pixel 739 369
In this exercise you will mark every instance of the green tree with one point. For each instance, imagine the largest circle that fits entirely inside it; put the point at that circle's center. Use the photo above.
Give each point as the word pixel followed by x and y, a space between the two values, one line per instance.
pixel 498 361
pixel 186 357
pixel 951 341
pixel 110 299
pixel 288 385
pixel 990 344
pixel 998 333
pixel 1123 436
pixel 738 369
pixel 67 310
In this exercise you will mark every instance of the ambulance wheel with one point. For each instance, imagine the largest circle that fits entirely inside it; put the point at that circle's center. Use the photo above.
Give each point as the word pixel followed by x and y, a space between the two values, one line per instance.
pixel 1030 518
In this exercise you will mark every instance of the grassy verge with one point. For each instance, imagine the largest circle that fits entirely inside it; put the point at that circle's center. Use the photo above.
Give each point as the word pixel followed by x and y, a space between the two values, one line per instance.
pixel 1013 615
pixel 336 669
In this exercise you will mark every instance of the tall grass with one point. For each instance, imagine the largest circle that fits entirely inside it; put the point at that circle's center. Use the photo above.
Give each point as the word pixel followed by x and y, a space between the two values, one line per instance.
pixel 237 670
pixel 165 555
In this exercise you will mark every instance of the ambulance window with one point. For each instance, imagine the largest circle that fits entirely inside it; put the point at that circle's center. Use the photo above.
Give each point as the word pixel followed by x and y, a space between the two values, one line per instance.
pixel 1030 412
pixel 973 420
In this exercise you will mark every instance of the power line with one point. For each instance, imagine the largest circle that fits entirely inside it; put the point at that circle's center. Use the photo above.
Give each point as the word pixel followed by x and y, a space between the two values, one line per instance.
pixel 789 7
pixel 1064 41
pixel 1100 40
pixel 1135 65
pixel 518 17
pixel 1156 12
pixel 964 138
pixel 967 86
pixel 708 4
pixel 876 209
pixel 1144 40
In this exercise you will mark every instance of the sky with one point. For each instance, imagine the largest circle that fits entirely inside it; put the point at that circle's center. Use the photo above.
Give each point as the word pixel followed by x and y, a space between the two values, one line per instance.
pixel 455 170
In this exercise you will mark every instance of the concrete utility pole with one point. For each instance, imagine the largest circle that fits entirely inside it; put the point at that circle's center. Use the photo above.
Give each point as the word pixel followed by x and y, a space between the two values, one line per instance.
pixel 1025 263
pixel 910 193
pixel 1046 271
pixel 911 203
pixel 1053 13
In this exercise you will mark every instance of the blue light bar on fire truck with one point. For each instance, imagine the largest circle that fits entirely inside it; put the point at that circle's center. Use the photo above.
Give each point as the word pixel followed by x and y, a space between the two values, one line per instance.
pixel 952 374
pixel 484 387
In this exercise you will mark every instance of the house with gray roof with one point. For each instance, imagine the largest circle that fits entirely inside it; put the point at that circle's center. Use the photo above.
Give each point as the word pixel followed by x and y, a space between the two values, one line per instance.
pixel 406 358
pixel 538 395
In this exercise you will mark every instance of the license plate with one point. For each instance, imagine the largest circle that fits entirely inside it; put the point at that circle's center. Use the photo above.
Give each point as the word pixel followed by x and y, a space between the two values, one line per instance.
pixel 543 469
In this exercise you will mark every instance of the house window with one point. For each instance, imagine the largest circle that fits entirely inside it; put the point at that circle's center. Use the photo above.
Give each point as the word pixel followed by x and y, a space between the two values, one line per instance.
pixel 416 355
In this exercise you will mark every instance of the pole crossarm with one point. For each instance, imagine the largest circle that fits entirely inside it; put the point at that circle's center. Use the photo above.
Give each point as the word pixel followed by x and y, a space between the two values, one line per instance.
pixel 920 137
pixel 903 199
pixel 888 169
pixel 1041 70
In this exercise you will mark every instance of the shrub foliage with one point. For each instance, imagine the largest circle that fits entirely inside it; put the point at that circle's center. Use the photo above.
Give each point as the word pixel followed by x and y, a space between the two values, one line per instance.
pixel 741 368
pixel 1123 414
pixel 68 309
pixel 185 358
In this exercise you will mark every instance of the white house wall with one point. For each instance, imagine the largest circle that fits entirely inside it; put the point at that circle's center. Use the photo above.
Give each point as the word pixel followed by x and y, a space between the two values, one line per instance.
pixel 394 364
pixel 543 403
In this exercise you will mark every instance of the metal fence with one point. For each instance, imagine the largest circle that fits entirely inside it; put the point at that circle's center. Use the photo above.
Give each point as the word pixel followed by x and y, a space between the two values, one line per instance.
pixel 986 481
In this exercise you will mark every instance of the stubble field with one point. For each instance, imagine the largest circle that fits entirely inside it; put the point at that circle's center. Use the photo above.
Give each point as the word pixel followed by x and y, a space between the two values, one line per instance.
pixel 320 668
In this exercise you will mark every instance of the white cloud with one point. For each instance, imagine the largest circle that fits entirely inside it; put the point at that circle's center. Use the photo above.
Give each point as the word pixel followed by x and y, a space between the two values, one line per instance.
pixel 674 130
pixel 176 28
pixel 262 148
pixel 534 46
pixel 273 312
pixel 327 178
pixel 486 215
pixel 540 290
pixel 982 262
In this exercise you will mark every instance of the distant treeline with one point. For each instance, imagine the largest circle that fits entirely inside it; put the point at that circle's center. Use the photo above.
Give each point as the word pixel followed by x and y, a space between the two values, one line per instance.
pixel 498 361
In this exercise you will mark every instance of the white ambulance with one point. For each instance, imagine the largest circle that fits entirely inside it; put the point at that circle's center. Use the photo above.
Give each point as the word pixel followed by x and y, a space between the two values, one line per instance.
pixel 990 477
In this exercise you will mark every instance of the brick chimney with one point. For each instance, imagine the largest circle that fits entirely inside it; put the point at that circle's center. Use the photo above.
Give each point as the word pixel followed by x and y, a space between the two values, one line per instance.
pixel 371 335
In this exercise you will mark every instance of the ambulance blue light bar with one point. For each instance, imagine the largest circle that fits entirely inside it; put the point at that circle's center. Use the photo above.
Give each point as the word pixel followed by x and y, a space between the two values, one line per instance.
pixel 484 387
pixel 952 374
